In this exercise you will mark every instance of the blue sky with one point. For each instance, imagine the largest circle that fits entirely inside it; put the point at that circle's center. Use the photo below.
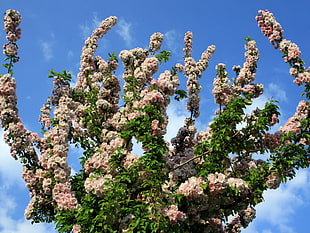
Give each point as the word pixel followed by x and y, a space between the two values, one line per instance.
pixel 53 33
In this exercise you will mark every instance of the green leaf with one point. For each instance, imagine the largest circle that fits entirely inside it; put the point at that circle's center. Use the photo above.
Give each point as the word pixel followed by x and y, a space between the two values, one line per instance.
pixel 163 56
pixel 180 94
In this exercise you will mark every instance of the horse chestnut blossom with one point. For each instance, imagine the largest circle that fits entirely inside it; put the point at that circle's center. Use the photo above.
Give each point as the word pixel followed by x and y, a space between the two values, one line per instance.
pixel 190 184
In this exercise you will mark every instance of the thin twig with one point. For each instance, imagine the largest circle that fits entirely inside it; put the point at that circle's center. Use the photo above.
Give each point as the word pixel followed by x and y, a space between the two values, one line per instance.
pixel 186 162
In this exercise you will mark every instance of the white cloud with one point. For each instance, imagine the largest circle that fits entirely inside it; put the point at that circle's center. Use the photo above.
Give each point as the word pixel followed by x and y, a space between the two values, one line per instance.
pixel 85 31
pixel 70 53
pixel 172 40
pixel 47 47
pixel 279 94
pixel 123 28
pixel 8 224
pixel 96 21
pixel 87 28
pixel 10 169
pixel 281 205
pixel 176 114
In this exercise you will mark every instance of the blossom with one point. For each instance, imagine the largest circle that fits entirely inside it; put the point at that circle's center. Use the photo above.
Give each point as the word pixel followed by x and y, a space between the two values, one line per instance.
pixel 98 184
pixel 247 215
pixel 293 123
pixel 192 188
pixel 64 198
pixel 87 57
pixel 239 184
pixel 10 49
pixel 76 229
pixel 12 20
pixel 156 41
pixel 174 214
pixel 273 180
pixel 234 226
pixel 291 50
pixel 188 40
pixel 90 116
pixel 248 71
pixel 270 27
pixel 222 90
pixel 217 182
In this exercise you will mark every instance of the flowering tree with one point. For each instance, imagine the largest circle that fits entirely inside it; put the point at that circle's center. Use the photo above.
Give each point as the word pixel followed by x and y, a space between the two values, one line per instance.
pixel 192 184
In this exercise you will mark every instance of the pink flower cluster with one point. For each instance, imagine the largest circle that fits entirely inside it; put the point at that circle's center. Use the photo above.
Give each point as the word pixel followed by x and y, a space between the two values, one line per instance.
pixel 156 41
pixel 76 229
pixel 270 27
pixel 193 71
pixel 18 138
pixel 271 141
pixel 99 161
pixel 188 42
pixel 64 198
pixel 97 184
pixel 291 50
pixel 301 77
pixel 12 20
pixel 53 179
pixel 180 158
pixel 243 218
pixel 248 71
pixel 234 226
pixel 273 180
pixel 293 123
pixel 222 90
pixel 88 62
pixel 167 82
pixel 192 188
pixel 239 184
pixel 174 214
pixel 218 182
pixel 8 100
pixel 130 160
pixel 254 89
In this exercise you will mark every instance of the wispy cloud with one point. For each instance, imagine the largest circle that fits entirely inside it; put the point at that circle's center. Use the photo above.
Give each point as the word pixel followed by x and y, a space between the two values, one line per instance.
pixel 278 92
pixel 9 224
pixel 10 178
pixel 123 28
pixel 47 47
pixel 70 53
pixel 87 28
pixel 281 205
pixel 85 31
pixel 10 169
pixel 173 41
pixel 176 114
